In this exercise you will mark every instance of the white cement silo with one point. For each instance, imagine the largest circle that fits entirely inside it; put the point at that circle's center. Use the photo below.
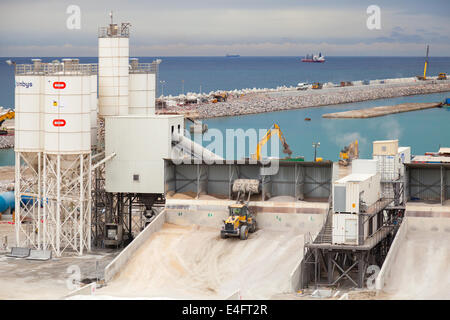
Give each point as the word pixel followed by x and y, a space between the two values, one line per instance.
pixel 113 55
pixel 142 94
pixel 28 106
pixel 67 113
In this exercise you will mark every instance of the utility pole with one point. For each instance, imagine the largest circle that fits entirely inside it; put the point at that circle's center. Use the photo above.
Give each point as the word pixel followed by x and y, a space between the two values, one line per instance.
pixel 182 86
pixel 315 146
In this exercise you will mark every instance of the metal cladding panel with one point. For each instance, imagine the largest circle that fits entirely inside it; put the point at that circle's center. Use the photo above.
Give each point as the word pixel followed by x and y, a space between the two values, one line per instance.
pixel 28 116
pixel 352 197
pixel 318 182
pixel 385 148
pixel 142 93
pixel 446 175
pixel 339 198
pixel 113 64
pixel 218 179
pixel 345 228
pixel 144 157
pixel 283 183
pixel 364 166
pixel 67 125
pixel 425 184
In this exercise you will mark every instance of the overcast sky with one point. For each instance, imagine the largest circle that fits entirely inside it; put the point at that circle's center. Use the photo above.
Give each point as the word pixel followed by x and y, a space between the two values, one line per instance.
pixel 247 27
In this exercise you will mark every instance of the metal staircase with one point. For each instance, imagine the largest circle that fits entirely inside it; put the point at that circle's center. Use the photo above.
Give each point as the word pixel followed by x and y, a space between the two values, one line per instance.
pixel 324 235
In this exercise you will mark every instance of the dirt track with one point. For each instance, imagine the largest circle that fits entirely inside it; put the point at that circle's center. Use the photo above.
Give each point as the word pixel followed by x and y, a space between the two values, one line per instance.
pixel 192 262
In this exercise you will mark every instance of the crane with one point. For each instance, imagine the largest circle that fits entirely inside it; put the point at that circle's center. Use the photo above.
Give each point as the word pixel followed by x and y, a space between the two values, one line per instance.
pixel 424 77
pixel 275 129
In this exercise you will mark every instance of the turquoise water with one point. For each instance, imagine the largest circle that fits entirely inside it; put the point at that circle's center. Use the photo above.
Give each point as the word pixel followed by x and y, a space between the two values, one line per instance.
pixel 6 157
pixel 422 130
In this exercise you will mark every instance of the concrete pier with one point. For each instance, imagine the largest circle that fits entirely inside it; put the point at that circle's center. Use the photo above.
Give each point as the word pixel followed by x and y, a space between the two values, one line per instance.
pixel 381 111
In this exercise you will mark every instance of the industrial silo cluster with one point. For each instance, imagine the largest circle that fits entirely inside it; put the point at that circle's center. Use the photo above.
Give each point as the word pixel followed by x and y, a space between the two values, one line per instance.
pixel 58 115
pixel 54 135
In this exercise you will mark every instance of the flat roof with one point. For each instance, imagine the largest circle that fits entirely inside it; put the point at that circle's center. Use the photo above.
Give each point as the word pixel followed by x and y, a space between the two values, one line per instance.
pixel 356 177
pixel 444 150
pixel 155 116
pixel 430 159
pixel 427 164
pixel 385 141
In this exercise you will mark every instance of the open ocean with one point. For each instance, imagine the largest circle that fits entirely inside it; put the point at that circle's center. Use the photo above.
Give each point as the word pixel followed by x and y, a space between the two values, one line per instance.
pixel 422 130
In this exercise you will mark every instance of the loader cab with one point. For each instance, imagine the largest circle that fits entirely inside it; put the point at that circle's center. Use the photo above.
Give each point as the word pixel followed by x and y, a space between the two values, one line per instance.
pixel 238 209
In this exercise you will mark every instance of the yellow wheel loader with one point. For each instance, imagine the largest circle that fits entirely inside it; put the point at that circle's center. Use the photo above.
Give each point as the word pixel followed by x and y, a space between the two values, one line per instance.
pixel 240 220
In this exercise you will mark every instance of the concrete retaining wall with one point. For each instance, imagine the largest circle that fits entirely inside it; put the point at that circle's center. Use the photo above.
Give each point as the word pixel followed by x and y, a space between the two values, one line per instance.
pixel 409 224
pixel 306 217
pixel 295 276
pixel 235 296
pixel 121 260
pixel 86 290
pixel 385 271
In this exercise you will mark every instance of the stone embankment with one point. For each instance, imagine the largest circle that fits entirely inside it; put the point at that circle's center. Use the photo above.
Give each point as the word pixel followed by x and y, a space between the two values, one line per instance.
pixel 253 103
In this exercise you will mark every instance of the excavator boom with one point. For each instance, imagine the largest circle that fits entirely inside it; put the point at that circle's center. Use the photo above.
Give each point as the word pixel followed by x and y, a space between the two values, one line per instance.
pixel 275 129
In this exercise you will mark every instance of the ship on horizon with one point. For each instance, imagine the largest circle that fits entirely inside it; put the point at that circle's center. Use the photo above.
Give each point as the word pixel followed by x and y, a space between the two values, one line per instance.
pixel 232 56
pixel 314 58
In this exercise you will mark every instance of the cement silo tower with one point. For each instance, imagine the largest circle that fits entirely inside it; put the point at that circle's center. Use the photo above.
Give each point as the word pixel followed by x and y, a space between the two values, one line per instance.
pixel 143 79
pixel 60 209
pixel 113 62
pixel 28 147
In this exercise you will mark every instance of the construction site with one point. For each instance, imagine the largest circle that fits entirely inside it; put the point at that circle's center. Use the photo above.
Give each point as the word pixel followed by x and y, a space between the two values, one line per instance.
pixel 114 201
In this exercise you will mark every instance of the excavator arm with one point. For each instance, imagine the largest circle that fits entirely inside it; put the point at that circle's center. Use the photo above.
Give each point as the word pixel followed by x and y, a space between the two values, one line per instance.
pixel 8 115
pixel 275 129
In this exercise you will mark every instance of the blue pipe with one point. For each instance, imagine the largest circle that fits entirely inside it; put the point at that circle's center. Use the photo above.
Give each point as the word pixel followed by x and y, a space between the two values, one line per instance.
pixel 7 201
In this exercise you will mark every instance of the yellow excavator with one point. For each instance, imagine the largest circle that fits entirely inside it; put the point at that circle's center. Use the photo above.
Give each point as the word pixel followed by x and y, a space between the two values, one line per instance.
pixel 349 153
pixel 424 77
pixel 275 129
pixel 3 117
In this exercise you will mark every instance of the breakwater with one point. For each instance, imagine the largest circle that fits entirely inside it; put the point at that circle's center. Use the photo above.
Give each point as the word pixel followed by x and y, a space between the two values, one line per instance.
pixel 254 103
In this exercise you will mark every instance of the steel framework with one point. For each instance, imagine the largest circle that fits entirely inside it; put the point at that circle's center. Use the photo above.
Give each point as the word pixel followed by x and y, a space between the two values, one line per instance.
pixel 53 201
pixel 325 264
pixel 67 204
pixel 28 195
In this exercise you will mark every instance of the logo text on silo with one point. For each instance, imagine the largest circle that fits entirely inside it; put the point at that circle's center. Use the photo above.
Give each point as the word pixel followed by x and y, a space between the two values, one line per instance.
pixel 59 85
pixel 59 122
pixel 24 84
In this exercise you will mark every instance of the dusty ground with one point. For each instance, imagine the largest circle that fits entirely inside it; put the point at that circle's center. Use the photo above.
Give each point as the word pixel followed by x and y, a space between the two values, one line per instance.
pixel 192 262
pixel 27 279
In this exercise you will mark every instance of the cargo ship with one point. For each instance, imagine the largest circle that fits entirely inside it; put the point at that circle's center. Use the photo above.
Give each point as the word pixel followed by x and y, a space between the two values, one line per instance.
pixel 314 58
pixel 232 56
